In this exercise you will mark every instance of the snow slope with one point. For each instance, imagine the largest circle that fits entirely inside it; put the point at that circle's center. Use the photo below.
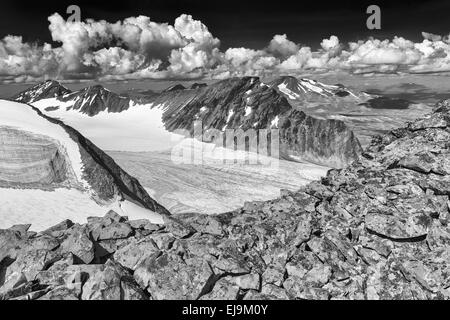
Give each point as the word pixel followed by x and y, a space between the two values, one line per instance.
pixel 22 117
pixel 43 209
pixel 76 198
pixel 139 128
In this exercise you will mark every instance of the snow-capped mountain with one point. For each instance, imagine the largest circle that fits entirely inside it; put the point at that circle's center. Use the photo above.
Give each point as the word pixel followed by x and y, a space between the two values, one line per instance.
pixel 44 90
pixel 311 90
pixel 50 172
pixel 120 123
pixel 90 100
pixel 95 99
pixel 247 103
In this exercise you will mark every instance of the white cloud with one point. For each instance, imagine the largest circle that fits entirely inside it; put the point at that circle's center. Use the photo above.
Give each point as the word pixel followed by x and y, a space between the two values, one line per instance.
pixel 22 59
pixel 114 61
pixel 280 46
pixel 140 48
pixel 331 45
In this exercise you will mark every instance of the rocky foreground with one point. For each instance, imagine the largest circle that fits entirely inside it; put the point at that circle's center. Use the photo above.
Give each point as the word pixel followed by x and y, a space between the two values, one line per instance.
pixel 375 230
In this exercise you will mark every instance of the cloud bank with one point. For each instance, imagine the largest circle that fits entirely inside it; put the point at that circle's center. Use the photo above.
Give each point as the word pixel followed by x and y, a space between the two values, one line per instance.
pixel 138 48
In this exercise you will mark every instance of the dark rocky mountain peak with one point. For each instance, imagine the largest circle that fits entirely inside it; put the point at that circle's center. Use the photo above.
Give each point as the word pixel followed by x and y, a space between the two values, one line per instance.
pixel 175 87
pixel 247 103
pixel 44 90
pixel 95 99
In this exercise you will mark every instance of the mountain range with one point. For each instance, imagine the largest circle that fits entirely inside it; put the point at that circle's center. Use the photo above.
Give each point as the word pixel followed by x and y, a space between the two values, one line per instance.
pixel 237 103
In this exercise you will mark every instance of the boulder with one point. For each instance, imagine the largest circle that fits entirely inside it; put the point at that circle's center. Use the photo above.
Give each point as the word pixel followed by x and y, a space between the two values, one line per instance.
pixel 77 241
pixel 11 242
pixel 144 224
pixel 58 230
pixel 115 230
pixel 224 289
pixel 203 223
pixel 30 262
pixel 164 241
pixel 105 283
pixel 22 229
pixel 168 277
pixel 398 228
pixel 62 293
pixel 248 281
pixel 131 254
pixel 178 228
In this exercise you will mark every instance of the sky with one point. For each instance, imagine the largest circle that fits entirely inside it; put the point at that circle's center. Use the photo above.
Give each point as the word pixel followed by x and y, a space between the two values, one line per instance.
pixel 246 23
pixel 218 39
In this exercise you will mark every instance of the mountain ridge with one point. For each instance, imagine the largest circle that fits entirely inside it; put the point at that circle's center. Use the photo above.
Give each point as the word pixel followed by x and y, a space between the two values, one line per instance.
pixel 246 103
pixel 46 89
pixel 237 103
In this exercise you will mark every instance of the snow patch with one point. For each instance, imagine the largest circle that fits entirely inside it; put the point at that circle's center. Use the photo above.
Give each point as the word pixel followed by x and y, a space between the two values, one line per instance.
pixel 291 94
pixel 274 122
pixel 230 114
pixel 139 128
pixel 44 209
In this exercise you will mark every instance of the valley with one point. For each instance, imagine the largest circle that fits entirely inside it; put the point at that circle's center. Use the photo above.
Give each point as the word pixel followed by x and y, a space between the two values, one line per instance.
pixel 212 188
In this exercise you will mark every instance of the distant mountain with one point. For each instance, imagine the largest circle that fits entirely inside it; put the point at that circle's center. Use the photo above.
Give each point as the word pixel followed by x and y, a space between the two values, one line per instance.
pixel 95 99
pixel 311 90
pixel 307 93
pixel 175 88
pixel 238 103
pixel 48 168
pixel 247 103
pixel 44 90
pixel 90 100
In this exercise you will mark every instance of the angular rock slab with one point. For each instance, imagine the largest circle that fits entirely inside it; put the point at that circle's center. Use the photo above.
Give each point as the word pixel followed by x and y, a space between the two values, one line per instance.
pixel 169 277
pixel 398 229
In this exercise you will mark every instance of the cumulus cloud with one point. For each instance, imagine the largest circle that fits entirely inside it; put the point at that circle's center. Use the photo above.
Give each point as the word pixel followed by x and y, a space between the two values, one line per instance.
pixel 115 61
pixel 280 46
pixel 18 58
pixel 373 51
pixel 138 47
pixel 330 44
